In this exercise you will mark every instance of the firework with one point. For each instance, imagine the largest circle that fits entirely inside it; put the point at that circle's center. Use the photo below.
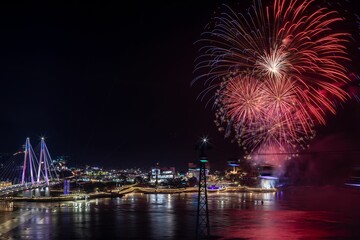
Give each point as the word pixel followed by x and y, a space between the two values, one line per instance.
pixel 278 70
pixel 262 113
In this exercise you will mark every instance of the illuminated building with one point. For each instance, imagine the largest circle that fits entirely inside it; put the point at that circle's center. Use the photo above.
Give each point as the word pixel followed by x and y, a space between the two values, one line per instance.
pixel 5 184
pixel 266 178
pixel 193 170
pixel 162 174
pixel 234 164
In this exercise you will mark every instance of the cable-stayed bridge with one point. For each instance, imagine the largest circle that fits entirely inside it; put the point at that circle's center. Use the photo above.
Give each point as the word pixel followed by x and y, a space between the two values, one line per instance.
pixel 31 172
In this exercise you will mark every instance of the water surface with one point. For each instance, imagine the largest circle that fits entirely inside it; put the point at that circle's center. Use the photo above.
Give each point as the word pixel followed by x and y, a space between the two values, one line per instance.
pixel 294 213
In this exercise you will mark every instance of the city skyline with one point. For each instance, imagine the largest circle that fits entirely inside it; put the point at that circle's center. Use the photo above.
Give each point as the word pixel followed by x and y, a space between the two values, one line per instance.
pixel 110 84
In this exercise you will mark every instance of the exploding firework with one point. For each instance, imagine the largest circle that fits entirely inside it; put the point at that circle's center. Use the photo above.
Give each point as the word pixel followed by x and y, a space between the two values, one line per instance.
pixel 262 113
pixel 278 70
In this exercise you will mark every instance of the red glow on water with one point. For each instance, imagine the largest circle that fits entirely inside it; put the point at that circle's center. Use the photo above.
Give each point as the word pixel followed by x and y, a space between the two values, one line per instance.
pixel 288 225
pixel 296 213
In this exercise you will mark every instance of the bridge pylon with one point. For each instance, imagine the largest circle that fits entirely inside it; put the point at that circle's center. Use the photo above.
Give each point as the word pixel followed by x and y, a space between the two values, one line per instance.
pixel 28 162
pixel 44 170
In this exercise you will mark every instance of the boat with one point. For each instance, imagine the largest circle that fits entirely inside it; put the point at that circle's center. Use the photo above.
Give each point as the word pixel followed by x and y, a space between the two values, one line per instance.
pixel 215 188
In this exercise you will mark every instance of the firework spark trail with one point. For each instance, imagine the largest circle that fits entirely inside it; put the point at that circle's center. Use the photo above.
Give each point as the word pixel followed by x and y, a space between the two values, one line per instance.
pixel 279 70
pixel 262 112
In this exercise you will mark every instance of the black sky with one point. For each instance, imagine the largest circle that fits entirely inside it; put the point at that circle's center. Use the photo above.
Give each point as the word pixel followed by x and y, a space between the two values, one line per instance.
pixel 107 83
pixel 104 83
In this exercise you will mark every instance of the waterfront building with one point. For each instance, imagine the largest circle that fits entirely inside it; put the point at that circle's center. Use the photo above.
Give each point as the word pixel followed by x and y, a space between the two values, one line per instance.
pixel 267 178
pixel 61 162
pixel 194 170
pixel 162 174
pixel 5 184
pixel 234 164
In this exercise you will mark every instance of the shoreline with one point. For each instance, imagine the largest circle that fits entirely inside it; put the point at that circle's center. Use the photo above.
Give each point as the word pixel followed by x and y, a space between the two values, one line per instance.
pixel 147 190
pixel 135 189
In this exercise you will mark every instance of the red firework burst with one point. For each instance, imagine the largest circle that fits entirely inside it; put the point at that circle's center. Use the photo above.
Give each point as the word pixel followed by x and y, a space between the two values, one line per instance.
pixel 288 62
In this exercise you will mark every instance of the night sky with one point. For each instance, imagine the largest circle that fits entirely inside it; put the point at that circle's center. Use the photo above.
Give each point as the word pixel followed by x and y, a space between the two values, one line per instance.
pixel 110 84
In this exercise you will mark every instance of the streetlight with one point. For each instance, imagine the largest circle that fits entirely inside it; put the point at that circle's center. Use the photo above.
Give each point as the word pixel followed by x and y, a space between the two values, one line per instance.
pixel 203 145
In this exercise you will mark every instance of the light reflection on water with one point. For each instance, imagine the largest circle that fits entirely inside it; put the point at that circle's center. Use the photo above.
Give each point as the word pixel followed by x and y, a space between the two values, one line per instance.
pixel 312 213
